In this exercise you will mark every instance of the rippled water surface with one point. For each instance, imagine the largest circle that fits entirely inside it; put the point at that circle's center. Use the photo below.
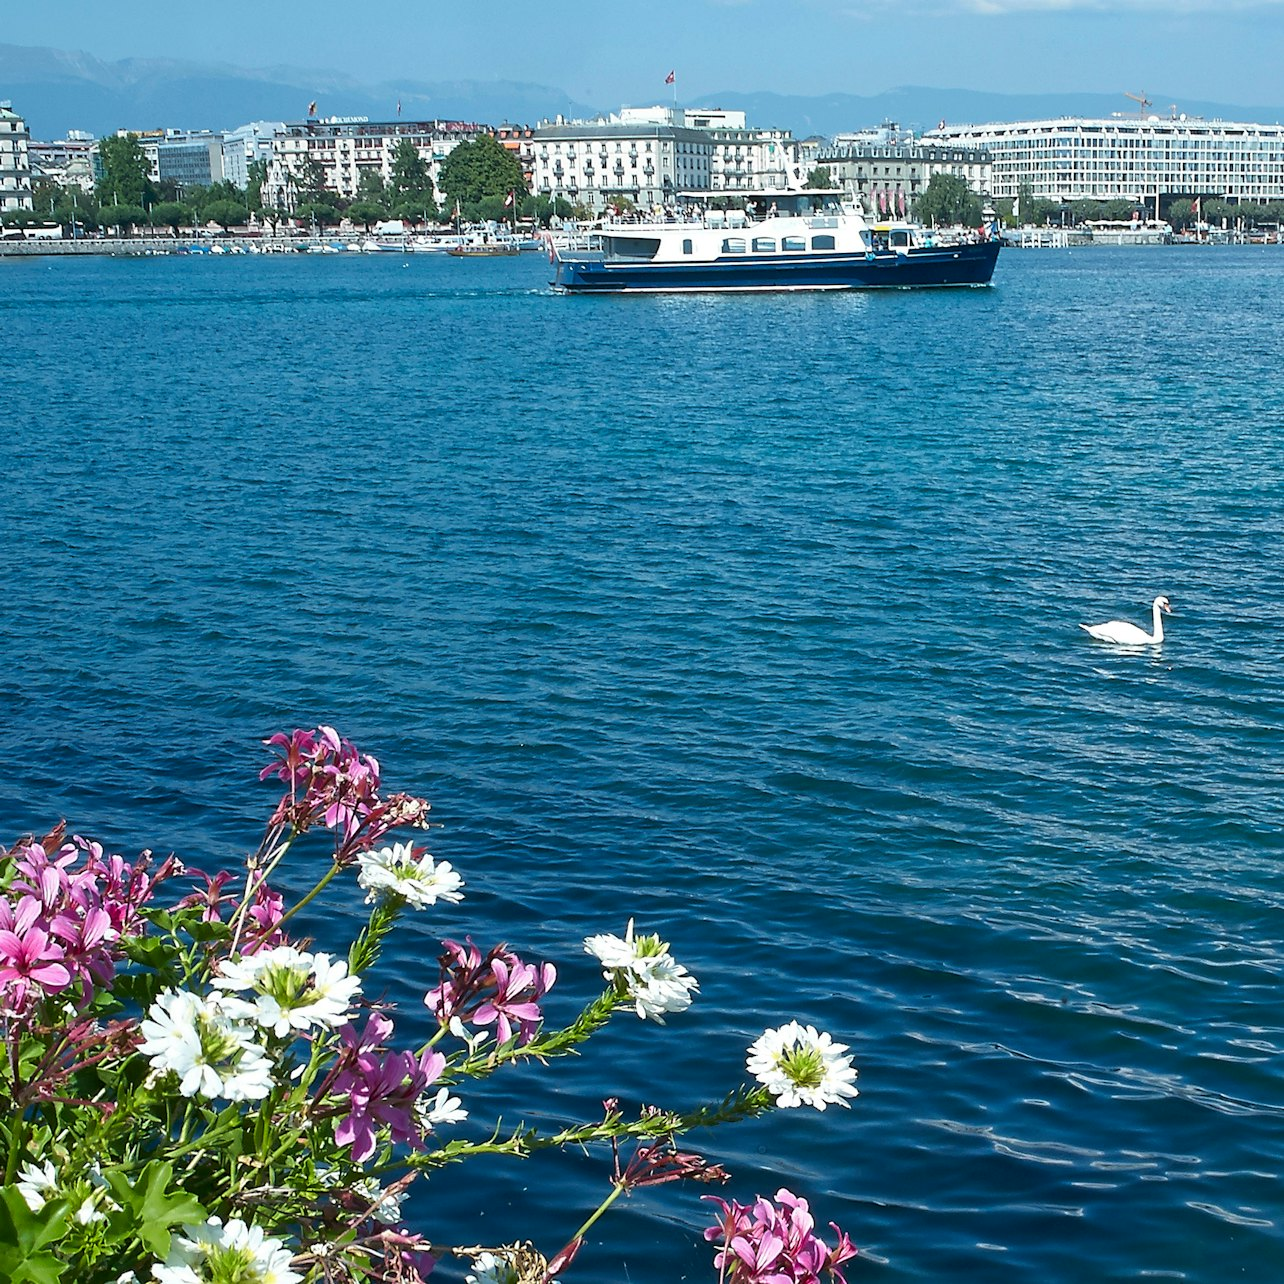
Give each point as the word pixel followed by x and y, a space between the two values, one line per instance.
pixel 754 617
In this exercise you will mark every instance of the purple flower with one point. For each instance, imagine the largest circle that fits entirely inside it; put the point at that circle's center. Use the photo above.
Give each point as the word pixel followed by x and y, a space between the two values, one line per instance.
pixel 381 1087
pixel 28 958
pixel 498 990
pixel 334 785
pixel 766 1243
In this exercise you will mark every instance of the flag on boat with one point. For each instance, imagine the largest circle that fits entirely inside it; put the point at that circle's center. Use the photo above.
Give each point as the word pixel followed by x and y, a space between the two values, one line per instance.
pixel 1194 207
pixel 508 200
pixel 398 106
pixel 312 108
pixel 670 78
pixel 941 123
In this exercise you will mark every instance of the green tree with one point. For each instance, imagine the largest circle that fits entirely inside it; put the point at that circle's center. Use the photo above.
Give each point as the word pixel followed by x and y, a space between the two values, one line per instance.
pixel 948 200
pixel 366 212
pixel 124 180
pixel 171 214
pixel 123 216
pixel 482 168
pixel 226 213
pixel 323 213
pixel 254 188
pixel 819 177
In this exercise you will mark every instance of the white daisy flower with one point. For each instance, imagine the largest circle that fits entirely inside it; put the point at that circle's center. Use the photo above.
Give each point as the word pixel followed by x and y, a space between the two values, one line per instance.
pixel 642 969
pixel 386 1207
pixel 395 871
pixel 37 1184
pixel 802 1066
pixel 212 1054
pixel 214 1252
pixel 292 989
pixel 492 1268
pixel 441 1108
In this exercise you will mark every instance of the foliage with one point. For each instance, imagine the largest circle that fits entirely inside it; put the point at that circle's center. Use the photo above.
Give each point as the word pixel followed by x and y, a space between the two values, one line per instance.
pixel 948 201
pixel 124 180
pixel 257 176
pixel 819 177
pixel 171 214
pixel 367 212
pixel 476 170
pixel 193 1097
pixel 227 213
pixel 123 216
pixel 543 209
pixel 325 213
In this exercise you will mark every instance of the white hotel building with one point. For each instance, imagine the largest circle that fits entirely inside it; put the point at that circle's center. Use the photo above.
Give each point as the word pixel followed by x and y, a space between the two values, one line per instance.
pixel 1126 158
pixel 15 165
pixel 340 149
pixel 649 154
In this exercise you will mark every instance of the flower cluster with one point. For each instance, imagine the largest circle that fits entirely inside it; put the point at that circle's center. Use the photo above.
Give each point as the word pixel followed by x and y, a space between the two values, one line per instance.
pixel 496 989
pixel 59 919
pixel 643 971
pixel 766 1243
pixel 194 1095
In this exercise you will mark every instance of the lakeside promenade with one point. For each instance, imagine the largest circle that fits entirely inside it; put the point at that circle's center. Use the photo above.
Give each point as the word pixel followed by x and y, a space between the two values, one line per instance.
pixel 134 246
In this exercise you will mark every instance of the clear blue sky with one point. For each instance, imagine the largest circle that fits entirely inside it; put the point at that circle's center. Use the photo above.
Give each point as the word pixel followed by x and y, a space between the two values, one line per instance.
pixel 607 54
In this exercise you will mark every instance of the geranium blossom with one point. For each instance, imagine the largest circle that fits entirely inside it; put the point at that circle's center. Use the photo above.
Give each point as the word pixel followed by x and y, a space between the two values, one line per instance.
pixel 766 1243
pixel 498 990
pixel 642 970
pixel 292 989
pixel 235 1253
pixel 212 1054
pixel 802 1066
pixel 381 1088
pixel 403 870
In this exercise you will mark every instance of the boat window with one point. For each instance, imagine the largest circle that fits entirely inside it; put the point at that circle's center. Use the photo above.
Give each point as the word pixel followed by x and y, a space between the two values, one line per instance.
pixel 687 247
pixel 764 244
pixel 822 242
pixel 733 245
pixel 794 243
pixel 628 247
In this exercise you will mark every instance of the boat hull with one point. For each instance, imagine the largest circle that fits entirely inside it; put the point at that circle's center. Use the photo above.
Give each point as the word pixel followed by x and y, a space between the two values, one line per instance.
pixel 955 265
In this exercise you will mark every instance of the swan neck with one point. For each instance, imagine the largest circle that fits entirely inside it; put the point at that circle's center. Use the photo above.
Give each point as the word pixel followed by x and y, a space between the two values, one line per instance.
pixel 1159 624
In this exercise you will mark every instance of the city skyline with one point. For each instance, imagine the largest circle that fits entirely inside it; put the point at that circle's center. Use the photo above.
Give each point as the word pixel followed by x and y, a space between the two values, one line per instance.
pixel 1191 48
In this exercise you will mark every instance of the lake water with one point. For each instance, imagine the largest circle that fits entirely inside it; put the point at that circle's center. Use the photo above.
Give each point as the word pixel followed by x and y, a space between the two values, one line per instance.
pixel 754 617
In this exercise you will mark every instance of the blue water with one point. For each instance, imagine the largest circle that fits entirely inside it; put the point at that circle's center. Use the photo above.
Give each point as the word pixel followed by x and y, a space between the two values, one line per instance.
pixel 754 617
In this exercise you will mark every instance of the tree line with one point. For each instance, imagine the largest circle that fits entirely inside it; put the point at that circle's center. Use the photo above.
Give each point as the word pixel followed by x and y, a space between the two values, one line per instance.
pixel 476 179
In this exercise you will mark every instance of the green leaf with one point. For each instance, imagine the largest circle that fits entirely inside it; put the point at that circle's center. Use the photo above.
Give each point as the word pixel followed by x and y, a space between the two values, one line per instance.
pixel 150 1207
pixel 23 1236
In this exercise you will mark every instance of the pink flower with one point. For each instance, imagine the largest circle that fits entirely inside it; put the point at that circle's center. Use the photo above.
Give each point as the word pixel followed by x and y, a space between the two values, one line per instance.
pixel 381 1087
pixel 31 958
pixel 497 990
pixel 770 1243
pixel 334 785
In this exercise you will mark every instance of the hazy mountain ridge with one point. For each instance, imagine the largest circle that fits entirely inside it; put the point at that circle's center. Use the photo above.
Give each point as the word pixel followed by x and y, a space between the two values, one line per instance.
pixel 56 90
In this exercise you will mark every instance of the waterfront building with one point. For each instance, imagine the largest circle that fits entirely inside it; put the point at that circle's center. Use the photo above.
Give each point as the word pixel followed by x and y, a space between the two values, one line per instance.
pixel 888 168
pixel 15 163
pixel 69 161
pixel 642 155
pixel 250 144
pixel 336 152
pixel 647 155
pixel 1147 160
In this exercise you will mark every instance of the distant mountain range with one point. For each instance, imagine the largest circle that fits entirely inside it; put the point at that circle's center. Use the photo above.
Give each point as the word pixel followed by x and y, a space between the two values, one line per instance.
pixel 57 90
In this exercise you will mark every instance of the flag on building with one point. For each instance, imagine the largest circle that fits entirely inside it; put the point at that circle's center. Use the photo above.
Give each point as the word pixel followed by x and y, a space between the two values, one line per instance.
pixel 508 200
pixel 670 78
pixel 1194 207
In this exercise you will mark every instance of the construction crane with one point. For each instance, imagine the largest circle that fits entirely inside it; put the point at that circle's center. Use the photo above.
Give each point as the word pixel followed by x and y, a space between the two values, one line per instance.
pixel 1145 102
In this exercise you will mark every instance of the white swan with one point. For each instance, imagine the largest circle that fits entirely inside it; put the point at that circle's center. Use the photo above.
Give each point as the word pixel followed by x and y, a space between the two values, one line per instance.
pixel 1125 634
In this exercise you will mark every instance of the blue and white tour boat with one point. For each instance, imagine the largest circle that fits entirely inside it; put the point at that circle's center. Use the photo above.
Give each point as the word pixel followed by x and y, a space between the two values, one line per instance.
pixel 794 240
